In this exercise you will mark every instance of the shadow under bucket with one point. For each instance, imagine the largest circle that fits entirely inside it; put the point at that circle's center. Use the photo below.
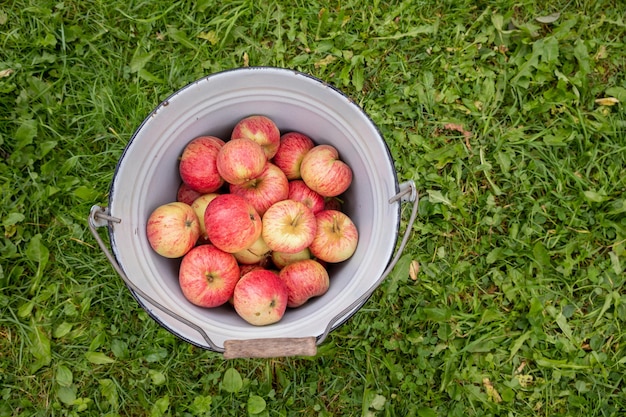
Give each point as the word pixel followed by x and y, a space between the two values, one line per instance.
pixel 147 176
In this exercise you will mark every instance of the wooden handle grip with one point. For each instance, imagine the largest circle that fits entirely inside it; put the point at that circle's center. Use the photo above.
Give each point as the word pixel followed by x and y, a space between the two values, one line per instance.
pixel 270 348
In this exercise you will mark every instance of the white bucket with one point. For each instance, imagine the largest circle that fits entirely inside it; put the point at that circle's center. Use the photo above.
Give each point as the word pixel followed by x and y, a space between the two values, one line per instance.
pixel 147 176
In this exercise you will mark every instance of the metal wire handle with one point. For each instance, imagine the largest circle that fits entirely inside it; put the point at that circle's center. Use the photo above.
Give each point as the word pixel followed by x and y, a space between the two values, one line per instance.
pixel 100 217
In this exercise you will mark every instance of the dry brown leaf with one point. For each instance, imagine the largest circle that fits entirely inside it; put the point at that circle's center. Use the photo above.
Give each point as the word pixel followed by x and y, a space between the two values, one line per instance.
pixel 6 72
pixel 607 101
pixel 414 269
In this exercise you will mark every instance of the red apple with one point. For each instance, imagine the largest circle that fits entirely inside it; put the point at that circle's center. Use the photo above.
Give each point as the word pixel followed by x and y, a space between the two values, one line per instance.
pixel 260 297
pixel 198 164
pixel 240 160
pixel 232 224
pixel 324 172
pixel 304 279
pixel 282 259
pixel 260 129
pixel 185 194
pixel 199 206
pixel 245 268
pixel 257 253
pixel 301 192
pixel 266 189
pixel 293 147
pixel 208 275
pixel 336 236
pixel 172 229
pixel 288 226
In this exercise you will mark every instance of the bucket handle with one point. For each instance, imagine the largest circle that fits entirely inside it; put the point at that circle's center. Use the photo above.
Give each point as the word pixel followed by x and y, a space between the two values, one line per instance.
pixel 269 347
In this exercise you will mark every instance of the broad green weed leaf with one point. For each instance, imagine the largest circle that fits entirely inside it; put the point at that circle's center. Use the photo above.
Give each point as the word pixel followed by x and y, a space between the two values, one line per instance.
pixel 551 18
pixel 540 254
pixel 437 314
pixel 232 381
pixel 158 378
pixel 617 92
pixel 436 197
pixel 12 219
pixel 399 272
pixel 255 405
pixel 594 196
pixel 201 405
pixel 62 330
pixel 39 345
pixel 98 358
pixel 64 376
pixel 108 390
pixel 426 412
pixel 25 134
pixel 139 60
pixel 160 406
pixel 67 395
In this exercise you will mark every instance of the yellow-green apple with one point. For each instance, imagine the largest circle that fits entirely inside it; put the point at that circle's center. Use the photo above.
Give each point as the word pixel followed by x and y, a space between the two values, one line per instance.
pixel 260 297
pixel 172 229
pixel 240 160
pixel 257 253
pixel 199 206
pixel 324 172
pixel 270 186
pixel 232 224
pixel 301 192
pixel 293 147
pixel 304 279
pixel 198 164
pixel 185 194
pixel 288 226
pixel 208 275
pixel 282 259
pixel 336 236
pixel 260 129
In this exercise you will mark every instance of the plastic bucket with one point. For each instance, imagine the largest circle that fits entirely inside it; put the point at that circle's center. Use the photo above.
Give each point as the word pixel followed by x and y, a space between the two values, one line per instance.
pixel 147 176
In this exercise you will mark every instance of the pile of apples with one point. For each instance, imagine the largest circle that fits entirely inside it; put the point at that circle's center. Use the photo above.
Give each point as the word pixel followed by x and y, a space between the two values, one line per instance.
pixel 256 221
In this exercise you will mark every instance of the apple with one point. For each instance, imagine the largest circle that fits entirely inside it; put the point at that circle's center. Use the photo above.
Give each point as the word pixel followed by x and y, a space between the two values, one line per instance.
pixel 324 172
pixel 304 279
pixel 199 206
pixel 268 188
pixel 198 164
pixel 240 160
pixel 186 194
pixel 301 192
pixel 172 229
pixel 336 236
pixel 260 129
pixel 293 147
pixel 282 259
pixel 288 226
pixel 257 253
pixel 245 268
pixel 232 224
pixel 208 275
pixel 260 297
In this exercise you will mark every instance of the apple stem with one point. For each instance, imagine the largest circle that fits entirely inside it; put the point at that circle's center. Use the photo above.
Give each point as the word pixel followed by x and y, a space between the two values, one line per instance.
pixel 336 227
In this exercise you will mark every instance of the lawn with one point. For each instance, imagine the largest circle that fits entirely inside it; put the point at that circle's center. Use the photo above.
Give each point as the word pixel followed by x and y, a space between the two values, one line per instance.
pixel 510 117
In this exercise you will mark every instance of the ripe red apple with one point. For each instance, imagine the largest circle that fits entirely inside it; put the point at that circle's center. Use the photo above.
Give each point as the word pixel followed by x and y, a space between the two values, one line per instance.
pixel 301 192
pixel 336 236
pixel 260 297
pixel 198 164
pixel 257 253
pixel 324 172
pixel 240 160
pixel 282 259
pixel 172 229
pixel 293 147
pixel 199 206
pixel 260 129
pixel 269 187
pixel 288 226
pixel 304 279
pixel 185 194
pixel 232 224
pixel 208 275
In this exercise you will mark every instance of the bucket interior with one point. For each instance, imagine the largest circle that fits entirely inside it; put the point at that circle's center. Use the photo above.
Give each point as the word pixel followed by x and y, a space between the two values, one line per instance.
pixel 147 176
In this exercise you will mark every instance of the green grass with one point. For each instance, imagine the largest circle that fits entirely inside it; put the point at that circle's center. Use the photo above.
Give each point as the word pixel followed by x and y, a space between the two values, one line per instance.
pixel 519 306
